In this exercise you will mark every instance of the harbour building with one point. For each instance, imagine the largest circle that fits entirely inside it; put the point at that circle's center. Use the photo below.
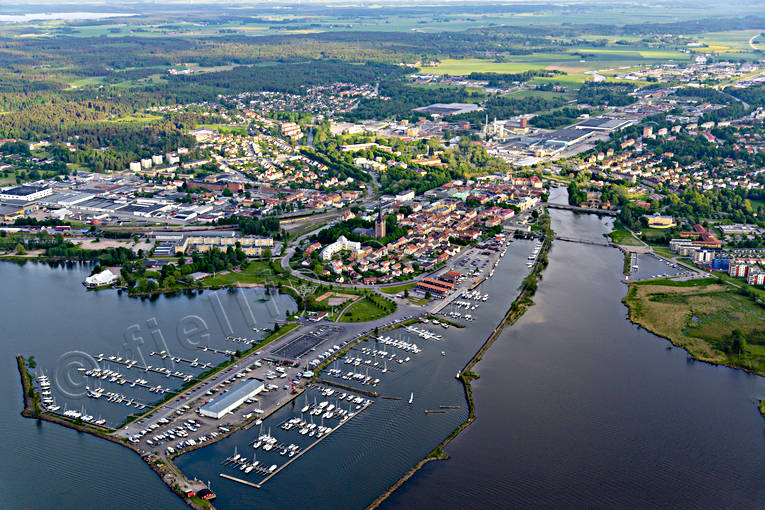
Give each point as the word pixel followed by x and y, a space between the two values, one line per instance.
pixel 218 407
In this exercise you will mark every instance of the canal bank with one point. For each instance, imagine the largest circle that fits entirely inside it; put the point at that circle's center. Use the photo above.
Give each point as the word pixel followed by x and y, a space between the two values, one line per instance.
pixel 466 375
pixel 577 407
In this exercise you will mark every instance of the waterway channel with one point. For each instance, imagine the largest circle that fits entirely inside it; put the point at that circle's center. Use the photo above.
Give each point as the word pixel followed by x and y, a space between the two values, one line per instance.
pixel 576 406
pixel 579 408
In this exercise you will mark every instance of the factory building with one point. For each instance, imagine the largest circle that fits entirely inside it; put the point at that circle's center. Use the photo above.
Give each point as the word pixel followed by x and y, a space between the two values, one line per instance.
pixel 25 193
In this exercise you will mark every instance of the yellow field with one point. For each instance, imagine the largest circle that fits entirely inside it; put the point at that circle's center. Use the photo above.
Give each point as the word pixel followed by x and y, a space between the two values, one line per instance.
pixel 475 65
pixel 731 41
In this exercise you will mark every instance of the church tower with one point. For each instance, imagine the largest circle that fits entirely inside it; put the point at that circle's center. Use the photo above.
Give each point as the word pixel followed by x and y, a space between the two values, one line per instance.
pixel 379 223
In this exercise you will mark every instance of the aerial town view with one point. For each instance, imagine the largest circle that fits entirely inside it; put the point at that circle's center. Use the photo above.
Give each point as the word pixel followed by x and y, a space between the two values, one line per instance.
pixel 353 255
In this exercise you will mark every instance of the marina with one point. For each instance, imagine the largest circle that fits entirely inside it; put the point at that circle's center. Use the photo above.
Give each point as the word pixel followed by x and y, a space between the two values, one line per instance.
pixel 132 363
pixel 401 428
pixel 266 442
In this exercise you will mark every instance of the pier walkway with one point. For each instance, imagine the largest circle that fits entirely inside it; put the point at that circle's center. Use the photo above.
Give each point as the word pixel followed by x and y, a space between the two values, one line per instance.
pixel 296 457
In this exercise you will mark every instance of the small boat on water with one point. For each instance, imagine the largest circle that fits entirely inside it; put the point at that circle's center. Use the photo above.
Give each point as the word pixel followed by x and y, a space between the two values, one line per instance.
pixel 411 398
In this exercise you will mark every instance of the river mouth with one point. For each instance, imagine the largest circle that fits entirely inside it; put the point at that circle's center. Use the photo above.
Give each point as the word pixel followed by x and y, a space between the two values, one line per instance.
pixel 595 411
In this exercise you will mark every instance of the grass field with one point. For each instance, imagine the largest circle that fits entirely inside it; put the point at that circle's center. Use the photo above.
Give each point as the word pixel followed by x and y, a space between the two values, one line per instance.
pixel 255 272
pixel 653 233
pixel 575 61
pixel 471 65
pixel 622 236
pixel 397 288
pixel 135 118
pixel 368 309
pixel 730 41
pixel 700 316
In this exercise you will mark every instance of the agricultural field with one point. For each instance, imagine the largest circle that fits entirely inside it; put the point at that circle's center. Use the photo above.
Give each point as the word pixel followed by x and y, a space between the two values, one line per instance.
pixel 576 62
pixel 731 41
pixel 475 65
pixel 702 316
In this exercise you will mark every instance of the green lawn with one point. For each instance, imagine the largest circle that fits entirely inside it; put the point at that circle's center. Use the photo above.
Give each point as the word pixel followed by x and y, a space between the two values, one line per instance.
pixel 365 310
pixel 397 288
pixel 258 271
pixel 622 236
pixel 663 250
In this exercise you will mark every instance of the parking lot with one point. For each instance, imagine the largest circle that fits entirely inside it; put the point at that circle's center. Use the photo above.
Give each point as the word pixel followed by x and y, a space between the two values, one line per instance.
pixel 177 425
pixel 297 347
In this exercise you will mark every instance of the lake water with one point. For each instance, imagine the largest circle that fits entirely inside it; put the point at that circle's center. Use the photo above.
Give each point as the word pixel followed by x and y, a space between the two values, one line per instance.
pixel 579 408
pixel 576 406
pixel 47 313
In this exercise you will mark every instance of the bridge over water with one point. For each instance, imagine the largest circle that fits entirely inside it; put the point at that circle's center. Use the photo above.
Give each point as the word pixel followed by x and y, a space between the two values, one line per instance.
pixel 583 241
pixel 567 207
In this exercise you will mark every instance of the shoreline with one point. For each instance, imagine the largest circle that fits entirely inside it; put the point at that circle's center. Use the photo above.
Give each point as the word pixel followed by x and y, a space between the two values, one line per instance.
pixel 173 476
pixel 691 354
pixel 695 356
pixel 517 308
pixel 30 412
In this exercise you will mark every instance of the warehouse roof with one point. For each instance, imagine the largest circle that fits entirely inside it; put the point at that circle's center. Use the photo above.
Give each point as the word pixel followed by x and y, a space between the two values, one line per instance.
pixel 239 392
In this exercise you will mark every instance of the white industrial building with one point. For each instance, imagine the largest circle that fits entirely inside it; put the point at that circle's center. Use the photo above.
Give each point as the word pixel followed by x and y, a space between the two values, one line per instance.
pixel 25 193
pixel 218 407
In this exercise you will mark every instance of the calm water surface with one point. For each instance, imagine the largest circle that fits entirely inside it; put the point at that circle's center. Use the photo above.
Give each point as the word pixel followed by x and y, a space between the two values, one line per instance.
pixel 47 313
pixel 578 408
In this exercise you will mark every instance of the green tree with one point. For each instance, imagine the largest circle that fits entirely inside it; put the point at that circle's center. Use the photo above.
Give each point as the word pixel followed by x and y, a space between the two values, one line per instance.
pixel 737 342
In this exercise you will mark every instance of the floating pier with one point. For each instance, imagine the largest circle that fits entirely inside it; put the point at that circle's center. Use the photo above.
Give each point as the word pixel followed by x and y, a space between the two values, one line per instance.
pixel 293 459
pixel 134 364
pixel 207 348
pixel 350 388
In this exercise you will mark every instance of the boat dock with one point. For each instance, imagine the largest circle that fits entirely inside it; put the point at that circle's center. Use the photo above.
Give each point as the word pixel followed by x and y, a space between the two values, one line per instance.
pixel 350 388
pixel 134 364
pixel 235 479
pixel 242 340
pixel 293 459
pixel 178 359
pixel 207 348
